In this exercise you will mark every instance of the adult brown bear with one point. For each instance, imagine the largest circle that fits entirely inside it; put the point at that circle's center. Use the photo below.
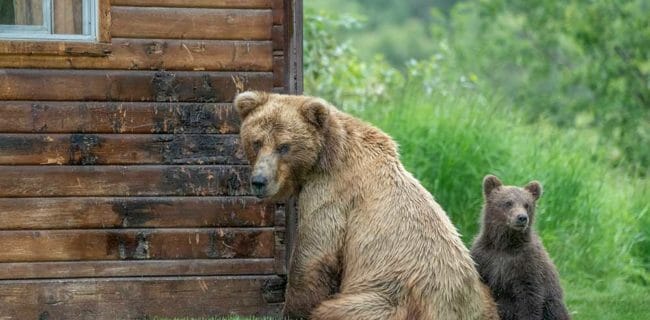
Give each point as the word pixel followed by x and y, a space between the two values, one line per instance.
pixel 372 243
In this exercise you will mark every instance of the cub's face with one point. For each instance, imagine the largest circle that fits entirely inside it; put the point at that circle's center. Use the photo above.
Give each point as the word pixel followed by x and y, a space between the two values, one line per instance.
pixel 510 206
pixel 282 138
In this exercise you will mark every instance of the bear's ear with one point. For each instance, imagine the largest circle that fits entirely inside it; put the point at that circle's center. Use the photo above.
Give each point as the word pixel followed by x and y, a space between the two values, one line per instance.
pixel 535 188
pixel 315 111
pixel 248 101
pixel 490 182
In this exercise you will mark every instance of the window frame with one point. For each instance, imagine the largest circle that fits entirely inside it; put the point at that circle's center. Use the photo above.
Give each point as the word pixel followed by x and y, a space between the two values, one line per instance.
pixel 90 26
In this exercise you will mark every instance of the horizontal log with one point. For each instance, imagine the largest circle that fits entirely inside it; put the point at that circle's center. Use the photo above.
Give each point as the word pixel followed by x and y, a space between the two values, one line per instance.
pixel 135 244
pixel 155 54
pixel 122 149
pixel 162 86
pixel 245 4
pixel 53 48
pixel 113 117
pixel 138 212
pixel 49 181
pixel 186 23
pixel 135 268
pixel 139 298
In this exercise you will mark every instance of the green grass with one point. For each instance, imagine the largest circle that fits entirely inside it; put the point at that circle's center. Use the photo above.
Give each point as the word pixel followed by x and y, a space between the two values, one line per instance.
pixel 593 218
pixel 625 302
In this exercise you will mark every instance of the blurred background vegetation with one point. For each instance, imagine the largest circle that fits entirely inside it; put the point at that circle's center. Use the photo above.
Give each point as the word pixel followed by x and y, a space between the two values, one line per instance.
pixel 557 91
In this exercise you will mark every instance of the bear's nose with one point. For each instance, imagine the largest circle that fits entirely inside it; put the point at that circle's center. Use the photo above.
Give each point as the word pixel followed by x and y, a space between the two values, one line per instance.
pixel 259 182
pixel 522 219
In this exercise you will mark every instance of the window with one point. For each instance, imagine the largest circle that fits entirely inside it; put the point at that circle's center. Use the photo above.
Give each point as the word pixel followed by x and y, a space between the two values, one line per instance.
pixel 74 20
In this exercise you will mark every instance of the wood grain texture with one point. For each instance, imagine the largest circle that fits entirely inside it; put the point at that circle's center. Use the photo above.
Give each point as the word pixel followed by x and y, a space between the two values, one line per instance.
pixel 48 181
pixel 134 268
pixel 278 38
pixel 138 298
pixel 114 117
pixel 54 48
pixel 104 30
pixel 279 68
pixel 157 54
pixel 247 4
pixel 133 212
pixel 189 23
pixel 122 149
pixel 161 86
pixel 136 244
pixel 278 12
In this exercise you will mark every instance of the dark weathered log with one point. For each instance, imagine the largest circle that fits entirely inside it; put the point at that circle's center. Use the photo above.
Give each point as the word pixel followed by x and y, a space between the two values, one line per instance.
pixel 134 268
pixel 139 298
pixel 135 244
pixel 137 212
pixel 114 117
pixel 85 149
pixel 161 86
pixel 48 181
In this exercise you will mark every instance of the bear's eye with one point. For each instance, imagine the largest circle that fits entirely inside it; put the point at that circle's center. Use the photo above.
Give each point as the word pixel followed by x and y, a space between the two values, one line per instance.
pixel 257 145
pixel 526 206
pixel 508 204
pixel 284 148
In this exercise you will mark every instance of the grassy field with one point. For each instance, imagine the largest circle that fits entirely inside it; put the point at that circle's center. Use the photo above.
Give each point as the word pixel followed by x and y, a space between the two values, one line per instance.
pixel 593 218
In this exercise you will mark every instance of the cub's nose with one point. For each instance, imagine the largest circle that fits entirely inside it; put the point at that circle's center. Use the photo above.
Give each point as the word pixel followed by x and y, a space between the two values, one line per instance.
pixel 258 182
pixel 522 219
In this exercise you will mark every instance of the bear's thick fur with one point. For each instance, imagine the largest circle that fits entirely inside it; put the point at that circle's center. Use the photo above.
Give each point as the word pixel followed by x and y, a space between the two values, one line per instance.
pixel 511 258
pixel 372 243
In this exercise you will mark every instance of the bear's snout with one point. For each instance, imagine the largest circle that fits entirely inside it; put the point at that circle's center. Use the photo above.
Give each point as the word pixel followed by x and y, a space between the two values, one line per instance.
pixel 519 221
pixel 522 219
pixel 258 185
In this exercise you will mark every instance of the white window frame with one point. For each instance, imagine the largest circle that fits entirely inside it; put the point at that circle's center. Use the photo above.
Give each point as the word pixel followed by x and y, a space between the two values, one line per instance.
pixel 44 32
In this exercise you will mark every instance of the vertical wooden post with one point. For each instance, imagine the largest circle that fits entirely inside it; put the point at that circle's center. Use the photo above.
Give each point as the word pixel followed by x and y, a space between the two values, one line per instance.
pixel 294 85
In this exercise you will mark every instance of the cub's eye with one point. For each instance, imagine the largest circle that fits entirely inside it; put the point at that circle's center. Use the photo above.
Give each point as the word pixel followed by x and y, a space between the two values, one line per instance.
pixel 284 148
pixel 526 206
pixel 257 145
pixel 508 204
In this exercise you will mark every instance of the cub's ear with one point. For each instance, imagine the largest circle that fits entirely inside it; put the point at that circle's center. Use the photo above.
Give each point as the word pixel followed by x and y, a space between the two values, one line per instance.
pixel 490 182
pixel 535 188
pixel 248 101
pixel 316 112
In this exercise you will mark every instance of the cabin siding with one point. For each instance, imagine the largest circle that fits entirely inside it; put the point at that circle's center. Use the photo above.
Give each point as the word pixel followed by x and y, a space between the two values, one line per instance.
pixel 124 190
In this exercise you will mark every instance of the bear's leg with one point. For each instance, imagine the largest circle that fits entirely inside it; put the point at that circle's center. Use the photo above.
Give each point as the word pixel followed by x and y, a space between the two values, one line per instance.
pixel 315 271
pixel 360 306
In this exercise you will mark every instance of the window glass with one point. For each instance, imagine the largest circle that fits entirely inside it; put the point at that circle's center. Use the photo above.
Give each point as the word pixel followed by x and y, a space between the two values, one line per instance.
pixel 48 19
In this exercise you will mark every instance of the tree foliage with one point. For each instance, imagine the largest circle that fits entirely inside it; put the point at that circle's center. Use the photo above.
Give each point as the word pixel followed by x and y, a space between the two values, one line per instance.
pixel 581 64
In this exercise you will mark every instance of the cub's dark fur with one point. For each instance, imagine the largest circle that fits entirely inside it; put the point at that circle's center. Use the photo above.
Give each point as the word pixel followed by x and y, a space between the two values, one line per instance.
pixel 511 258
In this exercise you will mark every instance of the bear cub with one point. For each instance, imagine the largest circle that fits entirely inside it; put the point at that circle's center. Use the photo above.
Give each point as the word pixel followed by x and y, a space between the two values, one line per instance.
pixel 510 256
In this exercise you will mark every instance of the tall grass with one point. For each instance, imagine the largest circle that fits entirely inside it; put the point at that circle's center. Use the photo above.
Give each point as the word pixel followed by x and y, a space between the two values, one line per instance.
pixel 593 219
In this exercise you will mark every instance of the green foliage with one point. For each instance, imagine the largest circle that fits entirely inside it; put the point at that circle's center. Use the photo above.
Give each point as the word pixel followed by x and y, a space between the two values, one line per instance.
pixel 580 64
pixel 502 105
pixel 334 70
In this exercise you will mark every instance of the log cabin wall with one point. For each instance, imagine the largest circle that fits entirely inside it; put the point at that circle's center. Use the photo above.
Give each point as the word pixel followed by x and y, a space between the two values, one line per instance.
pixel 124 192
